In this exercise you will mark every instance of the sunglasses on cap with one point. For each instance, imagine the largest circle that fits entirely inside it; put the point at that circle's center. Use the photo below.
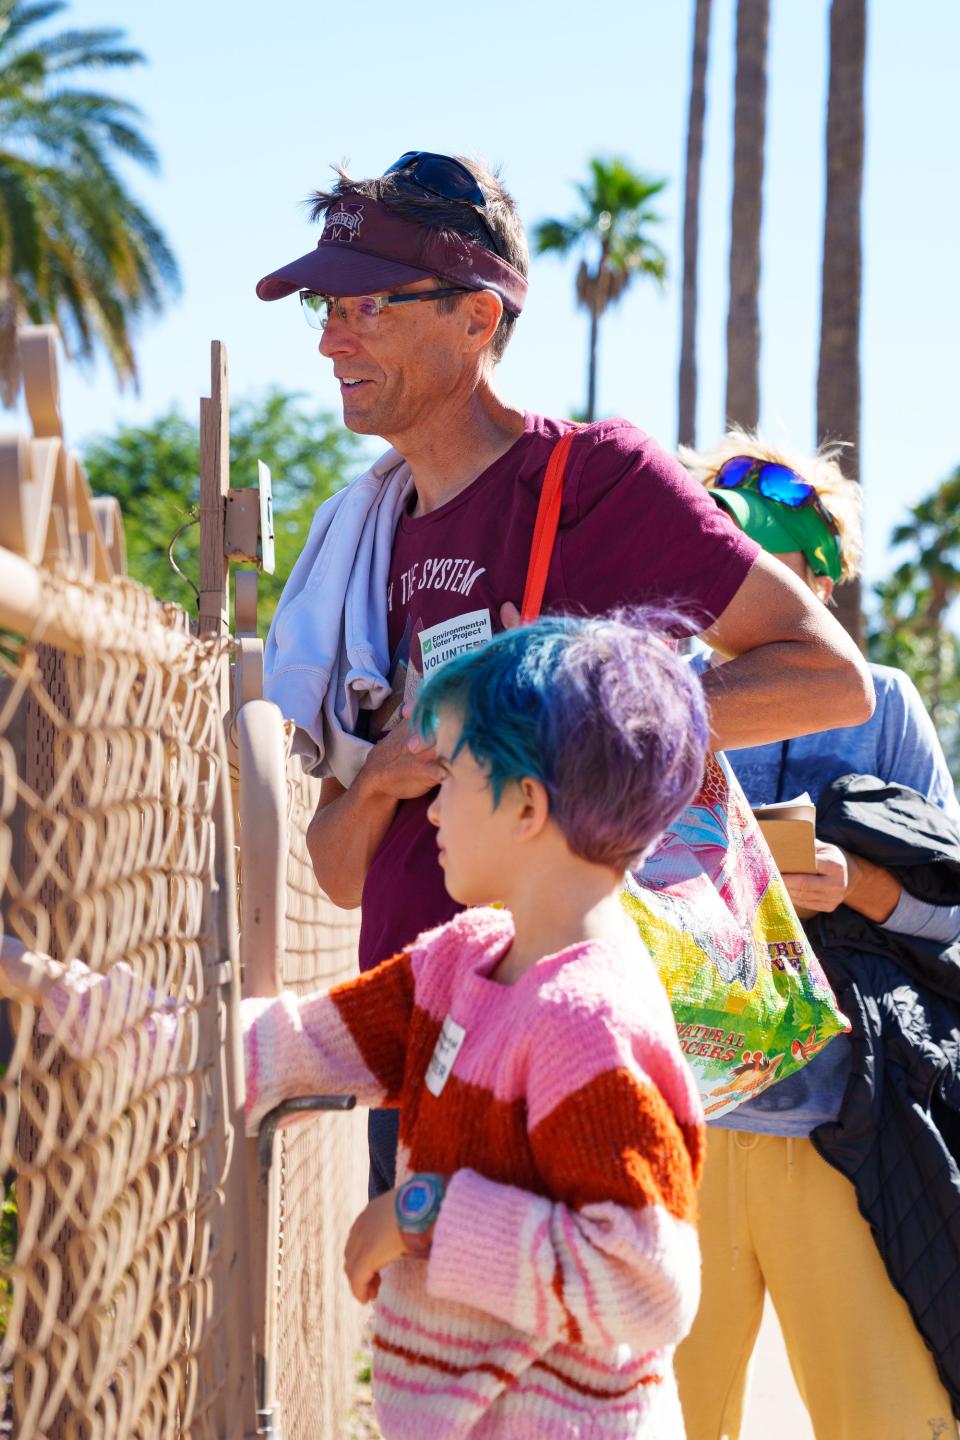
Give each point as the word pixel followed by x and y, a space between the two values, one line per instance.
pixel 774 482
pixel 445 177
pixel 440 174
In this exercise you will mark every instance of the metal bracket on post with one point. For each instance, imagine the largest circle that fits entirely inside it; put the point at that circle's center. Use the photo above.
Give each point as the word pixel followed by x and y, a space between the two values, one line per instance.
pixel 248 522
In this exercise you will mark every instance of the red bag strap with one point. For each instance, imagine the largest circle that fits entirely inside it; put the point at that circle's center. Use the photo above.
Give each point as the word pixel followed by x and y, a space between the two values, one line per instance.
pixel 545 529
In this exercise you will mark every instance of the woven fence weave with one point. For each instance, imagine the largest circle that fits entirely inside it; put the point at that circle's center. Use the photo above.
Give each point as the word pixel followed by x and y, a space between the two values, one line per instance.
pixel 109 762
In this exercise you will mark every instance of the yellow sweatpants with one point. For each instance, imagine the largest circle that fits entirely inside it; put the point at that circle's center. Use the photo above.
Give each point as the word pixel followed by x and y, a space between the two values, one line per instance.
pixel 775 1216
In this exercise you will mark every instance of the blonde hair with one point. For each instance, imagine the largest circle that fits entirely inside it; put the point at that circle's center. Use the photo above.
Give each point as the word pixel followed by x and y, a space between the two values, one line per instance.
pixel 842 497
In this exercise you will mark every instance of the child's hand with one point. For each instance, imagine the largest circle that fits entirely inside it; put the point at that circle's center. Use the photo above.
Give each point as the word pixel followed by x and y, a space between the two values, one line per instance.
pixel 374 1241
pixel 86 1009
pixel 26 976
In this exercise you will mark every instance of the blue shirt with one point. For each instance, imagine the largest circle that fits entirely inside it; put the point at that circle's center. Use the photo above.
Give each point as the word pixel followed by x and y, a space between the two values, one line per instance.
pixel 898 743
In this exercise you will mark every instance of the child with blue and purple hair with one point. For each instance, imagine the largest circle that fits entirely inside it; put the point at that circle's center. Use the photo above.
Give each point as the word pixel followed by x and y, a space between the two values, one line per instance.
pixel 538 1262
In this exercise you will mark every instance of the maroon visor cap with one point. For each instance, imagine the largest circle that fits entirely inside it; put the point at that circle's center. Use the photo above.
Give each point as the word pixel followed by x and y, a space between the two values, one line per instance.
pixel 365 248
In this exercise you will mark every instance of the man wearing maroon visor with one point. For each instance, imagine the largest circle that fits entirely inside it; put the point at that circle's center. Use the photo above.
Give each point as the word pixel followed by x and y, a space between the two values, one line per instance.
pixel 417 282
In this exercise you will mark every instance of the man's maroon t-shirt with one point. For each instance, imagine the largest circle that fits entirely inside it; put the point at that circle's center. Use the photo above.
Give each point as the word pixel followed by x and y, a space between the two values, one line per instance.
pixel 634 529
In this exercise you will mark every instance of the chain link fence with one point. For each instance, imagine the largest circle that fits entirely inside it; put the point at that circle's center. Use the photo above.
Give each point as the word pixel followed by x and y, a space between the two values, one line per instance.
pixel 117 1146
pixel 128 1309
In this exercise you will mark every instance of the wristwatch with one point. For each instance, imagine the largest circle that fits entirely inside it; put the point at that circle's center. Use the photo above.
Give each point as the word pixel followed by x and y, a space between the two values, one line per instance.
pixel 418 1205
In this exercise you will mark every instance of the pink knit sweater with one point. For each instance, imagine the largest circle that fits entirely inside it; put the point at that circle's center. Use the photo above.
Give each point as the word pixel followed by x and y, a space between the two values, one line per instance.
pixel 564 1266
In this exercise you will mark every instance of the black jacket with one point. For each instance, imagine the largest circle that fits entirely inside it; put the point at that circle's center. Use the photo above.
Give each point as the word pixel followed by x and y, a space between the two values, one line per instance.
pixel 897 1137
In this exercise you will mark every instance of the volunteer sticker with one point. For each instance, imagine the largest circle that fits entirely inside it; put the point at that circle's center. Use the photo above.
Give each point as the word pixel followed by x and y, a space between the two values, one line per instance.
pixel 454 637
pixel 445 1052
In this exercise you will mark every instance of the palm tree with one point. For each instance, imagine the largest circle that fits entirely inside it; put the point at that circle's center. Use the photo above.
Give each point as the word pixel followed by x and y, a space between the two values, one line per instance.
pixel 75 247
pixel 612 227
pixel 687 397
pixel 749 130
pixel 838 376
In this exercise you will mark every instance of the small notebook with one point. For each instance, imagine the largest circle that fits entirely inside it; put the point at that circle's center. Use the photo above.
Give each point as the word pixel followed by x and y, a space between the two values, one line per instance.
pixel 790 829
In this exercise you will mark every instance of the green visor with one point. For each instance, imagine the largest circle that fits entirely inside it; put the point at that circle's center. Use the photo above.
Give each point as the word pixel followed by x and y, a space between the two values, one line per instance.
pixel 780 530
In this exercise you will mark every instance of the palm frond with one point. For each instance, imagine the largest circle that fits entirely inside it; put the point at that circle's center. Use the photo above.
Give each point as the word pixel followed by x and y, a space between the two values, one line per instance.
pixel 16 16
pixel 88 50
pixel 20 73
pixel 76 248
pixel 556 236
pixel 82 119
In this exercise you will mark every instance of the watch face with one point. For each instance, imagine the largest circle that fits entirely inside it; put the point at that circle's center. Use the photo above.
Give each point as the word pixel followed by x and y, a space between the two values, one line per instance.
pixel 418 1203
pixel 415 1200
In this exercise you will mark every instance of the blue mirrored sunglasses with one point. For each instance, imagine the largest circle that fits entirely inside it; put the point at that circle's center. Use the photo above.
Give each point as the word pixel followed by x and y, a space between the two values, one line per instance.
pixel 446 177
pixel 774 482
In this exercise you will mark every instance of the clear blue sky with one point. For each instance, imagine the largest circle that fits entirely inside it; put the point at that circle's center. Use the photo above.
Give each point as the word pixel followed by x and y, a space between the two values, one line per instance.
pixel 248 105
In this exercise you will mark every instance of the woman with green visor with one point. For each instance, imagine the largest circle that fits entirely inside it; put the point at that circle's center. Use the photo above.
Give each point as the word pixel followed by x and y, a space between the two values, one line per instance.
pixel 782 512
pixel 774 1215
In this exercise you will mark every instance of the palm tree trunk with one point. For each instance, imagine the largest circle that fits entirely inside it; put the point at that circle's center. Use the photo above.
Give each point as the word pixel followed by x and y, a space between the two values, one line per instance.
pixel 687 385
pixel 749 130
pixel 838 377
pixel 592 365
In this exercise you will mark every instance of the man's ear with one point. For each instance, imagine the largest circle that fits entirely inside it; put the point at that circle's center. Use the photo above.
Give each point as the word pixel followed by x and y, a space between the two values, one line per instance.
pixel 482 310
pixel 533 809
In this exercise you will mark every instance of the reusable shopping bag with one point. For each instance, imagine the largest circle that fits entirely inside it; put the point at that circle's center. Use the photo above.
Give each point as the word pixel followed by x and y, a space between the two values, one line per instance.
pixel 750 1000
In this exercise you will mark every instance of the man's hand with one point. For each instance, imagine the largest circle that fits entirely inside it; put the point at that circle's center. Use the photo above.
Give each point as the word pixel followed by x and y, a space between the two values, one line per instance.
pixel 349 825
pixel 401 766
pixel 374 1242
pixel 844 879
pixel 828 887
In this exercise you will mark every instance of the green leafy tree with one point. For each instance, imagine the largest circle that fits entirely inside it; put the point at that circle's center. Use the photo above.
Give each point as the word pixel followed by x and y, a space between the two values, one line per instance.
pixel 611 232
pixel 76 248
pixel 910 626
pixel 154 471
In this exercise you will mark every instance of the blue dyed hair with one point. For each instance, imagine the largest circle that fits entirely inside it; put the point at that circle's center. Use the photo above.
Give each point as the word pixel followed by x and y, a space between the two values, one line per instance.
pixel 604 713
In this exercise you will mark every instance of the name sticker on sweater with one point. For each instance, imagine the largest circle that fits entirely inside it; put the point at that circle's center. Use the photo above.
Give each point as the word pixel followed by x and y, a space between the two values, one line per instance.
pixel 445 1052
pixel 454 637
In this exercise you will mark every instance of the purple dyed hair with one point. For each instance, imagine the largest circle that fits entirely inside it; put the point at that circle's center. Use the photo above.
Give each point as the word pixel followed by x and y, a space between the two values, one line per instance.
pixel 604 712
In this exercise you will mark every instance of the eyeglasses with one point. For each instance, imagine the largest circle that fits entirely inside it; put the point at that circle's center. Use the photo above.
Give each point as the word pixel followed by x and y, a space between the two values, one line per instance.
pixel 774 482
pixel 444 176
pixel 361 313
